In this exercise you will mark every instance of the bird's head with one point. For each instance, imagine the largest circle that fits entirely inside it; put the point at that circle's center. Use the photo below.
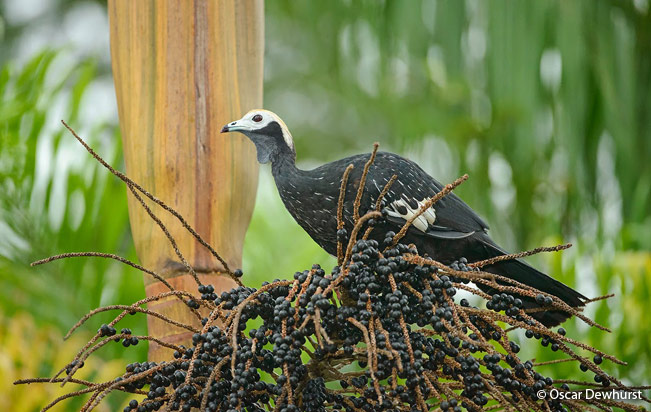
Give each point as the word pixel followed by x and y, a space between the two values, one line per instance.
pixel 268 132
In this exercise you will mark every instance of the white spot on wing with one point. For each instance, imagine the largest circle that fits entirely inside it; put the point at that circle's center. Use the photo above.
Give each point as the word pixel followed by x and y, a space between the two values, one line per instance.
pixel 422 222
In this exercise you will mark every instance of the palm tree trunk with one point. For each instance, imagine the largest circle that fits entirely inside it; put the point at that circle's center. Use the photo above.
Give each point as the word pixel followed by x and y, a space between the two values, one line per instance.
pixel 182 70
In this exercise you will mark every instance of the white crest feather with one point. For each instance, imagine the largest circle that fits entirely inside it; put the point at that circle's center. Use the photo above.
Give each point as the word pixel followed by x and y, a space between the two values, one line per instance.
pixel 268 117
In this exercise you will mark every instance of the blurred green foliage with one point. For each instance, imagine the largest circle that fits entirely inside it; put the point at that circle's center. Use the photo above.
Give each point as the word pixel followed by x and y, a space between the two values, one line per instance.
pixel 544 104
pixel 55 199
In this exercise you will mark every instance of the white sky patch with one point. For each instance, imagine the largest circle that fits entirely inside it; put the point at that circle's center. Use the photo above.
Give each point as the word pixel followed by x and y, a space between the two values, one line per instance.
pixel 22 11
pixel 436 157
pixel 502 189
pixel 86 27
pixel 399 68
pixel 608 190
pixel 70 156
pixel 476 43
pixel 551 68
pixel 113 280
pixel 42 172
pixel 58 193
pixel 98 102
pixel 45 156
pixel 76 209
pixel 35 40
pixel 369 58
pixel 585 276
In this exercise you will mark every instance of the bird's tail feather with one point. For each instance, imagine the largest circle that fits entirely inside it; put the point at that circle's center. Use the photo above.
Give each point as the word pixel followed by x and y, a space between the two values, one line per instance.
pixel 523 273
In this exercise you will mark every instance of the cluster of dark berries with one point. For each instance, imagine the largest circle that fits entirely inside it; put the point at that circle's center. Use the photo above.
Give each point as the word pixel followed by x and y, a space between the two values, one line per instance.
pixel 128 340
pixel 106 330
pixel 544 300
pixel 207 292
pixel 290 345
pixel 157 380
pixel 512 306
pixel 462 265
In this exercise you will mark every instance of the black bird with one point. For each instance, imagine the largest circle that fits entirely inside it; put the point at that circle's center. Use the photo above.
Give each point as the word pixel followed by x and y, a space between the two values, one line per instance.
pixel 446 232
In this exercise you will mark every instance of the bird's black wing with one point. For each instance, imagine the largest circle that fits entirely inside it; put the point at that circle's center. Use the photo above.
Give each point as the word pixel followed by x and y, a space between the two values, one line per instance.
pixel 450 230
pixel 449 218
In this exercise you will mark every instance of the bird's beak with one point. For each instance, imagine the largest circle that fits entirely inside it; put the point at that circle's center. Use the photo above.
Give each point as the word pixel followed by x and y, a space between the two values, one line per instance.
pixel 234 127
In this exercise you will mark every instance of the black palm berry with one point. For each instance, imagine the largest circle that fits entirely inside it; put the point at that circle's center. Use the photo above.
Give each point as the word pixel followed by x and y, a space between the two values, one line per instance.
pixel 72 365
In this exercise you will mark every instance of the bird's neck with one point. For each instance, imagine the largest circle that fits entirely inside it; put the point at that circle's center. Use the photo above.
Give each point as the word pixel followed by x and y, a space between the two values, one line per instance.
pixel 284 166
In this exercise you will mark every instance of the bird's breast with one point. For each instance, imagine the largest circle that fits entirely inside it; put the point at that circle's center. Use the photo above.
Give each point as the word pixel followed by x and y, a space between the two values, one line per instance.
pixel 315 211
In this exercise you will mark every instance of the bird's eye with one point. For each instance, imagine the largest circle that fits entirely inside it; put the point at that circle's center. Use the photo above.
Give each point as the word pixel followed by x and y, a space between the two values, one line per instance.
pixel 257 118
